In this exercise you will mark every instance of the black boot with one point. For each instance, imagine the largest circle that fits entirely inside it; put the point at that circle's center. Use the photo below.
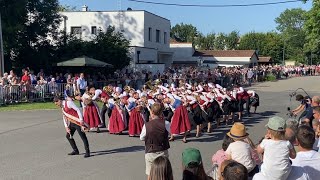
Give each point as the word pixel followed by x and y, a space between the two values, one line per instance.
pixel 74 152
pixel 87 154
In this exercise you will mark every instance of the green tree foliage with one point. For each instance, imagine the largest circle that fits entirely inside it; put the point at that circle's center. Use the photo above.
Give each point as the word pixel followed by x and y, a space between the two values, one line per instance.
pixel 312 28
pixel 203 42
pixel 184 32
pixel 110 47
pixel 290 24
pixel 220 42
pixel 266 44
pixel 231 40
pixel 27 24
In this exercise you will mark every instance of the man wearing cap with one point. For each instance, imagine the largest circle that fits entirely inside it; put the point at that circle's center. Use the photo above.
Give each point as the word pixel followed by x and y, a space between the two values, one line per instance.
pixel 276 151
pixel 155 134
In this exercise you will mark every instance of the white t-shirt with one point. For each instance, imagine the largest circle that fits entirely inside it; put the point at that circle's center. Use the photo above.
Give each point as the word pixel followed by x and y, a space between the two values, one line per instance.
pixel 276 162
pixel 297 173
pixel 310 161
pixel 241 152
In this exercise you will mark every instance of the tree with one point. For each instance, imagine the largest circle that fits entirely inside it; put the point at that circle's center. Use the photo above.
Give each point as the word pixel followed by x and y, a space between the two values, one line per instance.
pixel 184 32
pixel 312 28
pixel 232 40
pixel 266 44
pixel 205 42
pixel 110 47
pixel 66 8
pixel 220 42
pixel 27 24
pixel 290 24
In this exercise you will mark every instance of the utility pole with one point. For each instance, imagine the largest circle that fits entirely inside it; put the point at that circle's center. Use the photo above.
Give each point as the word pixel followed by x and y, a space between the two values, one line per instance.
pixel 1 50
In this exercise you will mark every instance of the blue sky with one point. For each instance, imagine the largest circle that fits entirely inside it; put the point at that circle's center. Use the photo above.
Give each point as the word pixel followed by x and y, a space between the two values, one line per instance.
pixel 242 19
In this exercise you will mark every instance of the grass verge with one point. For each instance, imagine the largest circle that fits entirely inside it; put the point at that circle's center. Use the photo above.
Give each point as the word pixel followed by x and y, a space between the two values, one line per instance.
pixel 28 106
pixel 35 106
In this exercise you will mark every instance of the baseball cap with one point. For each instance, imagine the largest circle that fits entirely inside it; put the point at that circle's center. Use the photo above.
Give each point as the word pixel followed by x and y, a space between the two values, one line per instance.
pixel 191 155
pixel 276 123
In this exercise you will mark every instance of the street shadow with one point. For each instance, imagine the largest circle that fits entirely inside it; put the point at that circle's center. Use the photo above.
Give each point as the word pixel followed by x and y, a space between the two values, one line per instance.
pixel 219 133
pixel 118 150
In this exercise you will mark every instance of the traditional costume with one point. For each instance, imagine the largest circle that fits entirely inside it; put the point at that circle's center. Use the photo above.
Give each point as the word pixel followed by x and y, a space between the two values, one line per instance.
pixel 117 121
pixel 91 113
pixel 180 123
pixel 136 120
pixel 71 111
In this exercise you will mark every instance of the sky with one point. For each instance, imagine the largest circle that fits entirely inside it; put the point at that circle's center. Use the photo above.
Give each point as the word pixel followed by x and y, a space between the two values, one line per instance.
pixel 207 20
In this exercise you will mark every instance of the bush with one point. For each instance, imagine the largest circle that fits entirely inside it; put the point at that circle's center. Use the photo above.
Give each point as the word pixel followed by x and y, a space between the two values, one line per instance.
pixel 271 77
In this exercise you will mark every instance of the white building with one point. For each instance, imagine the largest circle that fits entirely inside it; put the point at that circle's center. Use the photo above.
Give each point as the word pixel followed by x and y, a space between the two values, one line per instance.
pixel 183 53
pixel 149 34
pixel 228 58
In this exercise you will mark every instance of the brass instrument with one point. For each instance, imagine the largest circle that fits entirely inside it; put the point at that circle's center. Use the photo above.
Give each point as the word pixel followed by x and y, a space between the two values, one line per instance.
pixel 108 90
pixel 157 82
pixel 127 89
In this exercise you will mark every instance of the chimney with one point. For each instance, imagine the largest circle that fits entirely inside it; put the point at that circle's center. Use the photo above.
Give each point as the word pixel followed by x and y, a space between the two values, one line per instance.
pixel 85 8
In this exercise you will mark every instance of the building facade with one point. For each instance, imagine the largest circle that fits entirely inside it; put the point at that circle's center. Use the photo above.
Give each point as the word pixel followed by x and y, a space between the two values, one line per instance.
pixel 149 34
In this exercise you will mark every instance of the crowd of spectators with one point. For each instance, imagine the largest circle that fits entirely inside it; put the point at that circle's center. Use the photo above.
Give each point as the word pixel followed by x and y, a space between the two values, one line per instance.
pixel 289 150
pixel 29 84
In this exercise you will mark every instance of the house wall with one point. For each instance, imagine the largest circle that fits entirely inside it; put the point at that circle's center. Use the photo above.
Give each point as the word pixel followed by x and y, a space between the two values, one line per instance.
pixel 133 24
pixel 182 52
pixel 156 23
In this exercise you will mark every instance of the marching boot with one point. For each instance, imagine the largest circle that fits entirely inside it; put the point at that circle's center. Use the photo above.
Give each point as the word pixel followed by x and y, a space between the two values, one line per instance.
pixel 74 152
pixel 87 154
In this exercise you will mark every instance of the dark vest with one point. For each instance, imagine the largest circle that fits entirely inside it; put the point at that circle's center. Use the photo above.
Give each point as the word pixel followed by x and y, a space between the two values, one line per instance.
pixel 156 139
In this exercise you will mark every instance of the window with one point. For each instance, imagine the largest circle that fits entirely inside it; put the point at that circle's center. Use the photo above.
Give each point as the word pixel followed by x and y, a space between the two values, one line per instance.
pixel 165 37
pixel 158 36
pixel 150 34
pixel 75 30
pixel 93 29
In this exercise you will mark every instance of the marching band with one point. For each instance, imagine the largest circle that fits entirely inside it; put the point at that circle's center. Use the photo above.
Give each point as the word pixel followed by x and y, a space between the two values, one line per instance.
pixel 199 104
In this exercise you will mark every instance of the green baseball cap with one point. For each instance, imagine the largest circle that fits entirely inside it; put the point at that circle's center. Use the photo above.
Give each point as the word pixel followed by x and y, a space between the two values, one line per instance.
pixel 191 155
pixel 276 123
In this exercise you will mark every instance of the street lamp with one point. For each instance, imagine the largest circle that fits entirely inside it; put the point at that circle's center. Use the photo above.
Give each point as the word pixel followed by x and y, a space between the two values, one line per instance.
pixel 283 51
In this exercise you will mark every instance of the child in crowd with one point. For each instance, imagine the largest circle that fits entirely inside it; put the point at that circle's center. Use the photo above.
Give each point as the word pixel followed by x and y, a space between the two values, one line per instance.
pixel 276 152
pixel 220 155
pixel 240 150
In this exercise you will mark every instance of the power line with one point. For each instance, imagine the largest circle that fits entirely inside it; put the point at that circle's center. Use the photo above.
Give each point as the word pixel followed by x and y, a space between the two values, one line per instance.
pixel 215 6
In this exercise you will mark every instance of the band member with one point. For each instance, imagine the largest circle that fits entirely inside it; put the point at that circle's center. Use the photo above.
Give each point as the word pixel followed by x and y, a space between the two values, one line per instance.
pixel 71 111
pixel 180 123
pixel 243 98
pixel 198 117
pixel 105 96
pixel 254 100
pixel 117 121
pixel 91 113
pixel 136 120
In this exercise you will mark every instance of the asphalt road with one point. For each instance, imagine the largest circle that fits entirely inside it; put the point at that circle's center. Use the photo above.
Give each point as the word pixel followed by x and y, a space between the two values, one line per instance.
pixel 33 144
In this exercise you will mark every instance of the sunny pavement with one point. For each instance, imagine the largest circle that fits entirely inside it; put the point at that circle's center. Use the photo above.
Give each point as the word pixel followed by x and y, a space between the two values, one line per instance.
pixel 33 144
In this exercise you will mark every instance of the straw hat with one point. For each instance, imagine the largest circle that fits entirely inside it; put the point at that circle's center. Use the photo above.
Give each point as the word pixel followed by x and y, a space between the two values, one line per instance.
pixel 238 131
